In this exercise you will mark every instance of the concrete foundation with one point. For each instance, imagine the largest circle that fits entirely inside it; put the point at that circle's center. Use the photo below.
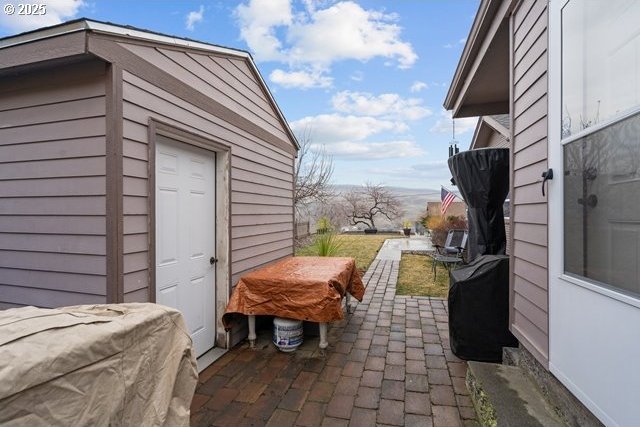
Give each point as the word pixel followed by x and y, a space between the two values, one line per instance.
pixel 565 404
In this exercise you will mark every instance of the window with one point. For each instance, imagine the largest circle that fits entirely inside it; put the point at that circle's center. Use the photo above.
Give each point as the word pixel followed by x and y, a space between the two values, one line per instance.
pixel 601 142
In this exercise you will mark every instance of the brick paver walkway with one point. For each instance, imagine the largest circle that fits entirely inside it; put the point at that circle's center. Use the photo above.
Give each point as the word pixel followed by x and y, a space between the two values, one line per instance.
pixel 388 363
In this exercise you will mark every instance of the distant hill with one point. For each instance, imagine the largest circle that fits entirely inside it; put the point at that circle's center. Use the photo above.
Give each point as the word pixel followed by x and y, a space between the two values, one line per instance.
pixel 414 200
pixel 414 203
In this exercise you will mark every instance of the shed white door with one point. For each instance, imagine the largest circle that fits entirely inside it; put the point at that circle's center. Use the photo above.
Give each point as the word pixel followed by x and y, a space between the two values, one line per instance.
pixel 185 236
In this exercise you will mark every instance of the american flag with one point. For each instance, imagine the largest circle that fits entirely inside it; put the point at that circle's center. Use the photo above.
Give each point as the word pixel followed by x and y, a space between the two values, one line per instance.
pixel 447 198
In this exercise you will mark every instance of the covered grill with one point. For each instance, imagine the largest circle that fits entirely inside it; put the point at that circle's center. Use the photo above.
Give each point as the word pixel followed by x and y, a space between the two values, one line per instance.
pixel 479 291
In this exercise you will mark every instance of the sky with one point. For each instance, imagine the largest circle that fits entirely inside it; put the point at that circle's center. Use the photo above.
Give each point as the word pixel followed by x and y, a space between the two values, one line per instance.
pixel 365 79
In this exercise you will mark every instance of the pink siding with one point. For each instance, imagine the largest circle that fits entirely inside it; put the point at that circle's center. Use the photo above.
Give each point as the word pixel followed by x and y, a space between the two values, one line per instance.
pixel 529 208
pixel 52 187
pixel 261 174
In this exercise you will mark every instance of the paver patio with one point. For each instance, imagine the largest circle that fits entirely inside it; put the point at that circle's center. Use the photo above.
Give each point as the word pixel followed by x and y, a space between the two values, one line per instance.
pixel 388 363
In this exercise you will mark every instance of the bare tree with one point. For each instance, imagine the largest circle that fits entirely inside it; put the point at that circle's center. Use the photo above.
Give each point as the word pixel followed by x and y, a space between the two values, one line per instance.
pixel 364 205
pixel 312 174
pixel 333 209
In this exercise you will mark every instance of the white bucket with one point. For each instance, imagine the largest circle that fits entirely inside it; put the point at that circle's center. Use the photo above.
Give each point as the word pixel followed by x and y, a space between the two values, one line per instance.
pixel 287 333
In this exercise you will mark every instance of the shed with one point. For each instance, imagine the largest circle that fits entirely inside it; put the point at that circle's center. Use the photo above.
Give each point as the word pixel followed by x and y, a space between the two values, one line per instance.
pixel 138 167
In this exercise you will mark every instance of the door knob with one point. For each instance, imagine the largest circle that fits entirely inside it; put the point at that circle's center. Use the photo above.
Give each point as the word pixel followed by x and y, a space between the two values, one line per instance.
pixel 213 260
pixel 546 176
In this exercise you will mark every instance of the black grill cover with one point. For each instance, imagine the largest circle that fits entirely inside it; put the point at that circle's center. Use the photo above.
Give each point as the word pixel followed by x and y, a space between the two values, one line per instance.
pixel 483 179
pixel 479 309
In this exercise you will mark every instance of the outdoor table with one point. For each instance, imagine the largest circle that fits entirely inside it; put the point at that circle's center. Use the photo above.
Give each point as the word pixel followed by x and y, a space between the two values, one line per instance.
pixel 447 261
pixel 300 288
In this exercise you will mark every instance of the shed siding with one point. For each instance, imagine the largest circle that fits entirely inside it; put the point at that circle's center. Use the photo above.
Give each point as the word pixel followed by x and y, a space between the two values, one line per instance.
pixel 529 280
pixel 53 187
pixel 199 72
pixel 261 173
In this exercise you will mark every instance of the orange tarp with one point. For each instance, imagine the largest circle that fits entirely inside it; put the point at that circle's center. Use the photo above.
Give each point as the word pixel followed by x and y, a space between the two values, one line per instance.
pixel 302 288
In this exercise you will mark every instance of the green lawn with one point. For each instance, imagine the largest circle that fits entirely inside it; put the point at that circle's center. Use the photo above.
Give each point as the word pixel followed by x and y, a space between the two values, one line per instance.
pixel 362 247
pixel 416 278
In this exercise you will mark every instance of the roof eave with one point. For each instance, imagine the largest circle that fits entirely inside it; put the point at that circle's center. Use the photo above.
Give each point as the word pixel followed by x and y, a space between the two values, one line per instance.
pixel 497 126
pixel 471 48
pixel 43 33
pixel 476 134
pixel 475 90
pixel 113 29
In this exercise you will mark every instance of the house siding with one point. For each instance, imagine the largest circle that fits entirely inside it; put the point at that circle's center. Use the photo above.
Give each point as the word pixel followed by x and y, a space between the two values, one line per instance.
pixel 529 308
pixel 53 187
pixel 261 173
pixel 496 140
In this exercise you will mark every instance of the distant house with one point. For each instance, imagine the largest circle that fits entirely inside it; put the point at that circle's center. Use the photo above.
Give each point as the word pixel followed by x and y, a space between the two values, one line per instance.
pixel 566 74
pixel 454 209
pixel 138 167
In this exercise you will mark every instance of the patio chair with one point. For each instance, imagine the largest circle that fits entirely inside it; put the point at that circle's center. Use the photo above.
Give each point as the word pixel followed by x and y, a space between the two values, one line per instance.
pixel 450 254
pixel 455 243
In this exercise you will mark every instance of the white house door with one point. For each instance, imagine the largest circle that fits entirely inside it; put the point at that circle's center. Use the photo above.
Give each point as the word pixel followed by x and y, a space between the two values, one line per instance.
pixel 185 236
pixel 594 204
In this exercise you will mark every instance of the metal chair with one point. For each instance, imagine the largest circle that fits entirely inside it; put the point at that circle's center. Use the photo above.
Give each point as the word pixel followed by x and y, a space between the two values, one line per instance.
pixel 452 252
pixel 454 244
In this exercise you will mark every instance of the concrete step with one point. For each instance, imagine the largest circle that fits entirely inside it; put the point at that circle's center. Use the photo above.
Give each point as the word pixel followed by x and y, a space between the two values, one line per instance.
pixel 504 396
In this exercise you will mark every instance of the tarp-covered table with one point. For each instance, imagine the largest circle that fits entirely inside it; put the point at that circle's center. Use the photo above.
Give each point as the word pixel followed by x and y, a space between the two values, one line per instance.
pixel 301 288
pixel 95 365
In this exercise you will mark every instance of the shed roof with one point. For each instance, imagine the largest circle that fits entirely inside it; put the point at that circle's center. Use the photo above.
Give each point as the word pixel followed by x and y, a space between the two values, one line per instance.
pixel 61 41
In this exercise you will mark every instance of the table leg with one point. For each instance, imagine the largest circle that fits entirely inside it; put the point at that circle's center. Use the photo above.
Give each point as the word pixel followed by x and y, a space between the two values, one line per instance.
pixel 348 302
pixel 252 330
pixel 323 336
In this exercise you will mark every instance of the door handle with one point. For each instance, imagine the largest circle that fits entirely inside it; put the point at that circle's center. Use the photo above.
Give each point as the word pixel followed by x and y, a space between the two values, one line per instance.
pixel 546 175
pixel 213 260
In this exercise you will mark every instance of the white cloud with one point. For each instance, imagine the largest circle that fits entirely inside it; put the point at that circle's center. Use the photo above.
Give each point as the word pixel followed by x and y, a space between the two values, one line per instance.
pixel 347 136
pixel 194 17
pixel 300 79
pixel 434 169
pixel 361 150
pixel 56 12
pixel 332 128
pixel 444 124
pixel 316 37
pixel 357 76
pixel 347 31
pixel 389 105
pixel 418 86
pixel 258 21
pixel 429 174
pixel 452 45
